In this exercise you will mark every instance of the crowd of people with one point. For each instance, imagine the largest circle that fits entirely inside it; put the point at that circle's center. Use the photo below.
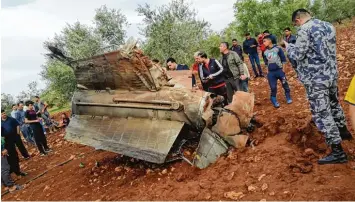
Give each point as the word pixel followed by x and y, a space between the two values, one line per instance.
pixel 312 55
pixel 29 120
pixel 229 73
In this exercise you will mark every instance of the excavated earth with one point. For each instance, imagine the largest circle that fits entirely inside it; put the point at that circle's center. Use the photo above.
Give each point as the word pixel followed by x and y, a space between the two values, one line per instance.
pixel 280 166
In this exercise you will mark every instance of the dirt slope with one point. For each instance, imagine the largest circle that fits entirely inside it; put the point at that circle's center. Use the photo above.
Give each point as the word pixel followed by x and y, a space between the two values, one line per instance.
pixel 277 168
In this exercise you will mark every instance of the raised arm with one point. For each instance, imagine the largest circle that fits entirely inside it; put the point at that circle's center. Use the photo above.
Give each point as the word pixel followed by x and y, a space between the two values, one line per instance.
pixel 299 50
pixel 31 121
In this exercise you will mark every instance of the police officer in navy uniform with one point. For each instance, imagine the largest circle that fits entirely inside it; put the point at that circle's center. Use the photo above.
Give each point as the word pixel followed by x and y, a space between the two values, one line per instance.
pixel 315 53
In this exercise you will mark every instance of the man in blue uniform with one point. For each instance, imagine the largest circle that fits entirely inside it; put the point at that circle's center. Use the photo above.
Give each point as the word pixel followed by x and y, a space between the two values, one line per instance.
pixel 315 53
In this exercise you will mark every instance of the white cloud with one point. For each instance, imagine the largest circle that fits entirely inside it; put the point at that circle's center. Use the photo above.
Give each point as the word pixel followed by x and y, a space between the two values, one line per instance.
pixel 26 26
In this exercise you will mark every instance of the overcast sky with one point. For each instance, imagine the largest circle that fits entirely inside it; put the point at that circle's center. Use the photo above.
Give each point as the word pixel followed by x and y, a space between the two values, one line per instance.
pixel 26 24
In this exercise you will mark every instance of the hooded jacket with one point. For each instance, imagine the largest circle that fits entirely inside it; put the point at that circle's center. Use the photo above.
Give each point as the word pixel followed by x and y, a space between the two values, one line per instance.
pixel 275 57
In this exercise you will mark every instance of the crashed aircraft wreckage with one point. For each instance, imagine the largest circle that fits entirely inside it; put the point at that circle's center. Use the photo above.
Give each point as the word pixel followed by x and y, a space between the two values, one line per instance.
pixel 127 105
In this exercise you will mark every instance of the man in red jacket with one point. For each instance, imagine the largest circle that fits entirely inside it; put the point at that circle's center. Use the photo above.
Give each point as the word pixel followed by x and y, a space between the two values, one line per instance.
pixel 196 80
pixel 262 46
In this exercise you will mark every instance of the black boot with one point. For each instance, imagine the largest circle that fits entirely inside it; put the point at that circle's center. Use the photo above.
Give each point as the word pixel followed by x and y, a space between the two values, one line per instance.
pixel 336 156
pixel 345 134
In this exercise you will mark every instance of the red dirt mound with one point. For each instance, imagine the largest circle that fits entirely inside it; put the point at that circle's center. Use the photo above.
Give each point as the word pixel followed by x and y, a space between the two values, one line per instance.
pixel 281 166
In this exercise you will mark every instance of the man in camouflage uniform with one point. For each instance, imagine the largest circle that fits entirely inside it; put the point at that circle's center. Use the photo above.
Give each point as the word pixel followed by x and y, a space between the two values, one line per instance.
pixel 315 53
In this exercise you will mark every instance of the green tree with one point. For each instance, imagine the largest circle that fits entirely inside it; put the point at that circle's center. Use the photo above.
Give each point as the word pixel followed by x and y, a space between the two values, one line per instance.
pixel 316 8
pixel 31 91
pixel 7 100
pixel 23 96
pixel 231 32
pixel 211 45
pixel 79 41
pixel 337 11
pixel 110 24
pixel 62 82
pixel 172 30
pixel 256 16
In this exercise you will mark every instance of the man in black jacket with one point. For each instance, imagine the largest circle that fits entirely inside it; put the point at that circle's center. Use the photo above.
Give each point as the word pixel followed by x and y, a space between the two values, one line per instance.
pixel 237 48
pixel 211 72
pixel 289 38
pixel 9 130
pixel 250 48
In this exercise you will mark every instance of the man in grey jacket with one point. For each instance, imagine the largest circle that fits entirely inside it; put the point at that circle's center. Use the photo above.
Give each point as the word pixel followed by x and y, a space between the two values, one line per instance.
pixel 233 70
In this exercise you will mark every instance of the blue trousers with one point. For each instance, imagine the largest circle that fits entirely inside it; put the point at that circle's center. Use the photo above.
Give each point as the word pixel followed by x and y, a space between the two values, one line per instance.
pixel 254 58
pixel 244 84
pixel 27 133
pixel 275 75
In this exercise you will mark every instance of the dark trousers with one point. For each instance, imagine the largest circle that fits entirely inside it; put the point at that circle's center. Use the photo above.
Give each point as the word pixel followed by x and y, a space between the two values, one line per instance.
pixel 6 179
pixel 12 157
pixel 27 133
pixel 272 77
pixel 21 147
pixel 232 85
pixel 219 91
pixel 39 137
pixel 254 58
pixel 245 85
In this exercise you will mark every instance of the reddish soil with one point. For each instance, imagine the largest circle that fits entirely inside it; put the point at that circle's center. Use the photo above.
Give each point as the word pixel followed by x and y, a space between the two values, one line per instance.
pixel 280 167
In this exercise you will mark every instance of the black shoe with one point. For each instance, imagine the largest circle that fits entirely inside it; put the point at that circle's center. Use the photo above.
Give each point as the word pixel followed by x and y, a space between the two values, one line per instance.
pixel 345 134
pixel 48 150
pixel 21 174
pixel 336 156
pixel 262 75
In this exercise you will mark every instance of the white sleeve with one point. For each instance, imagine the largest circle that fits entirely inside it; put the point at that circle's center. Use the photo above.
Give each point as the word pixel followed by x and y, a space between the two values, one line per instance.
pixel 220 69
pixel 200 71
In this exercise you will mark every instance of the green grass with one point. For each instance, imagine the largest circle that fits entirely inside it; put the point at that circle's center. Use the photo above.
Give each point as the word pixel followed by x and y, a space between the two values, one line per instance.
pixel 56 109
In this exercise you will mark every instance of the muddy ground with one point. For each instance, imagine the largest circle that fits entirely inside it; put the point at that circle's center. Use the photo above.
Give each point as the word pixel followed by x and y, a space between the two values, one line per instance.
pixel 280 167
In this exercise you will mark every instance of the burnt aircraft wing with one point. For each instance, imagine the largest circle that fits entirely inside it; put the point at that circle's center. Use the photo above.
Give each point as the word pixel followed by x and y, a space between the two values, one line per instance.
pixel 145 139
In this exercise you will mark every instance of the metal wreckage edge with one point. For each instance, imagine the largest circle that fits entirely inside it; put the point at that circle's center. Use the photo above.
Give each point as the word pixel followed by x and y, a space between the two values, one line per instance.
pixel 149 140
